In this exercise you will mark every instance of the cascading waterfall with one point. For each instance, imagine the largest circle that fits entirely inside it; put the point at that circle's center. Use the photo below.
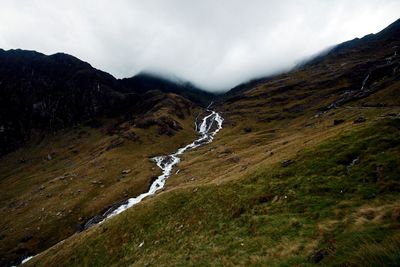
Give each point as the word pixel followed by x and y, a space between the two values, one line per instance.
pixel 210 126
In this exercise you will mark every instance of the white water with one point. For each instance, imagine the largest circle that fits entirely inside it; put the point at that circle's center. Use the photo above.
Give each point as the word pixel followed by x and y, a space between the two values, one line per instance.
pixel 364 82
pixel 26 259
pixel 209 127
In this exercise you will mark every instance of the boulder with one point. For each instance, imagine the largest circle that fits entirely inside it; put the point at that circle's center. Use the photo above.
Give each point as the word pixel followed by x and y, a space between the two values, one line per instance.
pixel 337 122
pixel 126 171
pixel 360 120
pixel 286 162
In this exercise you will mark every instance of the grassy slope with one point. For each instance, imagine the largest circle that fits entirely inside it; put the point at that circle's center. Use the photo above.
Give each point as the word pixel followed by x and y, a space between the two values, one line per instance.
pixel 317 209
pixel 44 201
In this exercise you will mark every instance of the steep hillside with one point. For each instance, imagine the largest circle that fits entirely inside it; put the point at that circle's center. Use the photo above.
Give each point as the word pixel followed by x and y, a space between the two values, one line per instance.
pixel 320 209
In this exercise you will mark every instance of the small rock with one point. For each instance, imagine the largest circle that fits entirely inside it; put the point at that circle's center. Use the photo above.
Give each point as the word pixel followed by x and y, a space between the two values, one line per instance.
pixel 126 171
pixel 360 120
pixel 355 161
pixel 115 143
pixel 247 130
pixel 337 122
pixel 318 256
pixel 286 163
pixel 234 159
pixel 227 151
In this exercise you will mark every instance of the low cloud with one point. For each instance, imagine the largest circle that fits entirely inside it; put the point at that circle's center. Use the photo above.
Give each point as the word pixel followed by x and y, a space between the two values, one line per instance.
pixel 216 44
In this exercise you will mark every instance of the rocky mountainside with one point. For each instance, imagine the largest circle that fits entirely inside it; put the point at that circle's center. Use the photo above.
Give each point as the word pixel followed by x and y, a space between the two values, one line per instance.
pixel 48 93
pixel 304 171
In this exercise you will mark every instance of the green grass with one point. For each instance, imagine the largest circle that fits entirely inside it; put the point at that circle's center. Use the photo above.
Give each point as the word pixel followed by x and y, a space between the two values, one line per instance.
pixel 276 216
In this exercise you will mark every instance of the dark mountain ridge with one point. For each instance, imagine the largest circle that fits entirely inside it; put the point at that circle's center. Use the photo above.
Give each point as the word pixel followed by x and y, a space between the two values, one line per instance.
pixel 48 93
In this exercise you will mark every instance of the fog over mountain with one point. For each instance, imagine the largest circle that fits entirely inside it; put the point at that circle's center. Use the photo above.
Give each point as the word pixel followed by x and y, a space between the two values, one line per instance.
pixel 214 44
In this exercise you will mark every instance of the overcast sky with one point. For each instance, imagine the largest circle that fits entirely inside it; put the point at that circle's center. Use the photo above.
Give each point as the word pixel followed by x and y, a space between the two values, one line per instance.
pixel 214 43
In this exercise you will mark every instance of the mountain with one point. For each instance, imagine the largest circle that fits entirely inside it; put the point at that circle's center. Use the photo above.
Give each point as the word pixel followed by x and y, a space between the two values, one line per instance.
pixel 146 81
pixel 48 93
pixel 342 55
pixel 303 172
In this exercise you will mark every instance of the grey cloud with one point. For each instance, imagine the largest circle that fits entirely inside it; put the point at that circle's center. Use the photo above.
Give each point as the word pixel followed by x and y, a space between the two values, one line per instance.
pixel 214 43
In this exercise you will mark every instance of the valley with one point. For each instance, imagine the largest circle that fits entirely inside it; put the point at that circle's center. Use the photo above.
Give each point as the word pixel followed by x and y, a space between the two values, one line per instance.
pixel 297 169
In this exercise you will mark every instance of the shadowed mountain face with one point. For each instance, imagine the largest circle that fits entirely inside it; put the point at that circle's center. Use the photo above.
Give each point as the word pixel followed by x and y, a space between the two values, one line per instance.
pixel 49 93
